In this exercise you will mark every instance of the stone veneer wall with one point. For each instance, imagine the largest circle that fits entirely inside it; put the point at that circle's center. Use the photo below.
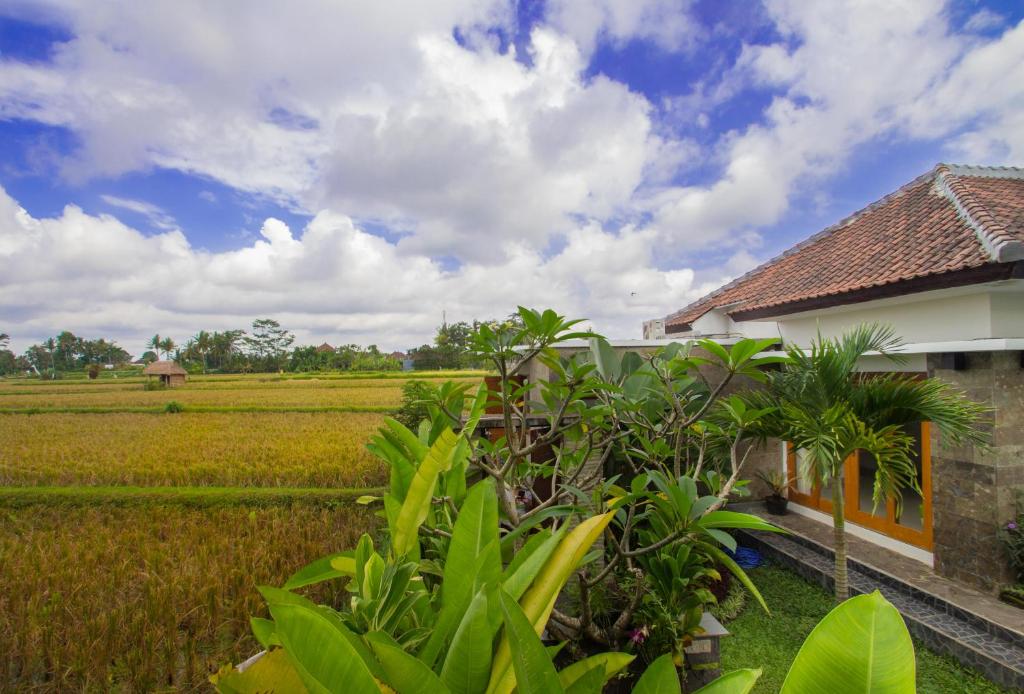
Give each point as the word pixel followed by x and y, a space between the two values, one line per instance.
pixel 975 491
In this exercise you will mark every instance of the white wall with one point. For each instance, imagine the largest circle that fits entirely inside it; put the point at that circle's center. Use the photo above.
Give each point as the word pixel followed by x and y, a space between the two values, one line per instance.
pixel 926 317
pixel 1008 314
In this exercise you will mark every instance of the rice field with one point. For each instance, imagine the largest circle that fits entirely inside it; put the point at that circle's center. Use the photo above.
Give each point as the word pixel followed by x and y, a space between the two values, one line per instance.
pixel 390 396
pixel 153 598
pixel 131 542
pixel 293 449
pixel 212 394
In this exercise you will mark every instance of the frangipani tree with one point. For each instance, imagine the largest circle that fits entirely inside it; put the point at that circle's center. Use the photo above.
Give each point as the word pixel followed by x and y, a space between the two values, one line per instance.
pixel 820 404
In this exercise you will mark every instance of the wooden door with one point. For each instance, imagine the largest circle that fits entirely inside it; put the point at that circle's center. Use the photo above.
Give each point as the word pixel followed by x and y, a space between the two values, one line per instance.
pixel 913 523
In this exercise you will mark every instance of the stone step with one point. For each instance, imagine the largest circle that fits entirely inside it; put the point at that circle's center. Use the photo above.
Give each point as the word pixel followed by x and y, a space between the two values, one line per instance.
pixel 995 651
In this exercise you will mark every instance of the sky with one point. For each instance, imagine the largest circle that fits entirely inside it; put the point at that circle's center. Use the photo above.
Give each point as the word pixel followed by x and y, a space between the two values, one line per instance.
pixel 359 170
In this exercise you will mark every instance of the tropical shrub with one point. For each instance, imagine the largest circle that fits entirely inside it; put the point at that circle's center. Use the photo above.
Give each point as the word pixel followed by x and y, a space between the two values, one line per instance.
pixel 819 404
pixel 416 398
pixel 471 575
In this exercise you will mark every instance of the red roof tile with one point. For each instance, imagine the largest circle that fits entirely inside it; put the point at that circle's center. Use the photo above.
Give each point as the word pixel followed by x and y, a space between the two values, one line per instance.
pixel 953 218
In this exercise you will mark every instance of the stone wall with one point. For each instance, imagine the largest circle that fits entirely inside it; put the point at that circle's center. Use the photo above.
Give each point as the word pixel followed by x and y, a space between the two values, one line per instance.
pixel 975 491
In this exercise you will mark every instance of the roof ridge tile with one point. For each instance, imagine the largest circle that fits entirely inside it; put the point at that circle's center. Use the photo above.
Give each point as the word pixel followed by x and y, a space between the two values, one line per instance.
pixel 993 235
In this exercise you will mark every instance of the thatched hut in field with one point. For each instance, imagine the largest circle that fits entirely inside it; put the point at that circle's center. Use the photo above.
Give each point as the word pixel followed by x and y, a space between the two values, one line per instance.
pixel 170 373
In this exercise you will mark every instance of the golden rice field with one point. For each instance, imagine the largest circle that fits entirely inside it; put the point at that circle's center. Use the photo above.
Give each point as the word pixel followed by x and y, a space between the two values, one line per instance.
pixel 251 397
pixel 131 542
pixel 293 449
pixel 376 393
pixel 147 599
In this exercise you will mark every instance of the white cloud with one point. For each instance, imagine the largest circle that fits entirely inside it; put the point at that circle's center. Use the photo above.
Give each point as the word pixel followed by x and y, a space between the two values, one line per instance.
pixel 383 114
pixel 844 75
pixel 156 215
pixel 94 274
pixel 376 112
pixel 666 23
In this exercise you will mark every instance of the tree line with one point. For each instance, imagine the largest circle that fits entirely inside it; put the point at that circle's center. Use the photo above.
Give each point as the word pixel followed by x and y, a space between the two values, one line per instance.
pixel 265 347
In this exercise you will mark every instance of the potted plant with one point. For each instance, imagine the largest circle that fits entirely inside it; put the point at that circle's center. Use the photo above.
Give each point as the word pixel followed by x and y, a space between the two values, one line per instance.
pixel 778 485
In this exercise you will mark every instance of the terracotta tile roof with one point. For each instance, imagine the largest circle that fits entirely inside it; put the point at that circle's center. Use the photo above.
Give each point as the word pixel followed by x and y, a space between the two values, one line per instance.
pixel 952 219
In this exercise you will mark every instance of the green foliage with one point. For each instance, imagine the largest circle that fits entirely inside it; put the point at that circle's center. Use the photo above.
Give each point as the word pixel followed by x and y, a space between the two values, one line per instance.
pixel 173 407
pixel 882 662
pixel 771 643
pixel 820 405
pixel 451 593
pixel 416 398
pixel 1011 536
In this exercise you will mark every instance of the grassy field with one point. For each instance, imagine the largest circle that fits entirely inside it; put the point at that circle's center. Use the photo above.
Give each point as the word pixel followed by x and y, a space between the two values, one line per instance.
pixel 131 542
pixel 151 597
pixel 771 642
pixel 218 449
pixel 210 392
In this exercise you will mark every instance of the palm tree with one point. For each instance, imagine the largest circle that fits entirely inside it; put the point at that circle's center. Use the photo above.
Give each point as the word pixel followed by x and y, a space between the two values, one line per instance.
pixel 51 348
pixel 823 408
pixel 203 342
pixel 4 340
pixel 167 346
pixel 155 342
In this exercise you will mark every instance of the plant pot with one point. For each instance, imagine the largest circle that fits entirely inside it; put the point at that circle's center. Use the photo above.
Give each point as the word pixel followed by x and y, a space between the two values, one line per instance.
pixel 776 505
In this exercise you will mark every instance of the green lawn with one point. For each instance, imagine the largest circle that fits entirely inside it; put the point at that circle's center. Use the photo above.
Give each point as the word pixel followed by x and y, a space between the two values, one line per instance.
pixel 771 643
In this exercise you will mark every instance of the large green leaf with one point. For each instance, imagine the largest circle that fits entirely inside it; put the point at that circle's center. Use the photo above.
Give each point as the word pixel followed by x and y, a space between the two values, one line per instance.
pixel 605 358
pixel 535 673
pixel 473 561
pixel 862 645
pixel 734 519
pixel 610 664
pixel 468 663
pixel 322 569
pixel 323 657
pixel 475 535
pixel 263 630
pixel 735 682
pixel 421 491
pixel 591 682
pixel 528 563
pixel 406 674
pixel 660 677
pixel 271 672
pixel 539 600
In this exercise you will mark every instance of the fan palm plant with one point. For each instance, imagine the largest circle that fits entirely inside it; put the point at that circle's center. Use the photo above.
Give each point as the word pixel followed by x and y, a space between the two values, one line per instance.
pixel 825 410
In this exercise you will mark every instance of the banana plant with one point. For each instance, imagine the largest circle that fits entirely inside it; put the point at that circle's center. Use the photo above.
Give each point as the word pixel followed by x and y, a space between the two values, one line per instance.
pixel 457 638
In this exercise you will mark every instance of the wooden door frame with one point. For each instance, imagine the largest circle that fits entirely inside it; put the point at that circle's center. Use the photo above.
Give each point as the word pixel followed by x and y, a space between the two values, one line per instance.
pixel 812 500
pixel 886 526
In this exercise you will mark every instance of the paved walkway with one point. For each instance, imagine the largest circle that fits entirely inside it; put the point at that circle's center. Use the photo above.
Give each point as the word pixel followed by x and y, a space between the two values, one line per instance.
pixel 973 627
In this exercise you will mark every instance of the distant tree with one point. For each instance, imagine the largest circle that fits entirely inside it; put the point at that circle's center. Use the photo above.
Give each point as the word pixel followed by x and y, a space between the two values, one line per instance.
pixel 149 356
pixel 268 342
pixel 51 349
pixel 203 342
pixel 8 362
pixel 154 343
pixel 167 346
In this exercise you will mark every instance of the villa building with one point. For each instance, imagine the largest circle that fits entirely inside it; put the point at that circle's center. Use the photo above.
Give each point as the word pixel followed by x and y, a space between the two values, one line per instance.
pixel 942 261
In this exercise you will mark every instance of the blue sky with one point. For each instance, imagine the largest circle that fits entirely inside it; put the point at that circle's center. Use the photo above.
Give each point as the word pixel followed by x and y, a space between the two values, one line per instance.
pixel 356 170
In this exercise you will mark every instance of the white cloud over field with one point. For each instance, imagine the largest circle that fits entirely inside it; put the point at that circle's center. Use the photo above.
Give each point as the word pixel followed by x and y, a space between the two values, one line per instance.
pixel 95 275
pixel 537 182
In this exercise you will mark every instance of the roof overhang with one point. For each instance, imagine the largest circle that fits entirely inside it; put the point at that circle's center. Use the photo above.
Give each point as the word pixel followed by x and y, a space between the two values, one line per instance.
pixel 993 272
pixel 988 344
